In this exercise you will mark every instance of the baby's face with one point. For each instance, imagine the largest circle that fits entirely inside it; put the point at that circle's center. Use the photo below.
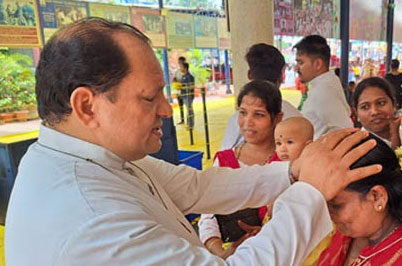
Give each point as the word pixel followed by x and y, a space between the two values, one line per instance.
pixel 289 143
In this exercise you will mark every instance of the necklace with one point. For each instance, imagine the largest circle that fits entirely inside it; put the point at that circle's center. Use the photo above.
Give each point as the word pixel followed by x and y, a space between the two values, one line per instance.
pixel 393 227
pixel 263 163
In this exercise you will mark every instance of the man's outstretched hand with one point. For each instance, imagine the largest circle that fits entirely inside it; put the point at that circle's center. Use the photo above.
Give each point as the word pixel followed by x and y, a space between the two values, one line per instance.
pixel 325 162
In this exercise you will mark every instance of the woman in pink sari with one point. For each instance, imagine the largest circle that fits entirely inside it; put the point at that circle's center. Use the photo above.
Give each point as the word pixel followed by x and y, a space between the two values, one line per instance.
pixel 259 111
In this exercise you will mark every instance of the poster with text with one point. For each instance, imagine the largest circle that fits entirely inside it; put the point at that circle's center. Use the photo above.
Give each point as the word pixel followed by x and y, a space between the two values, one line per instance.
pixel 19 24
pixel 179 30
pixel 151 23
pixel 283 17
pixel 206 32
pixel 367 20
pixel 313 17
pixel 398 21
pixel 110 12
pixel 224 41
pixel 56 13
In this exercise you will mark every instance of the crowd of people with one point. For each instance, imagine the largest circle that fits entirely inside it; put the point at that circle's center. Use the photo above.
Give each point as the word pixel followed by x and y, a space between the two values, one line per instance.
pixel 288 187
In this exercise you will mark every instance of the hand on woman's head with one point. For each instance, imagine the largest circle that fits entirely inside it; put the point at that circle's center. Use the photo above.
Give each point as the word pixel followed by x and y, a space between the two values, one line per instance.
pixel 325 163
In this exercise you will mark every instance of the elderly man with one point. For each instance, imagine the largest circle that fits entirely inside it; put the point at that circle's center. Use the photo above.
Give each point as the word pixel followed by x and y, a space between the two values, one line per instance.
pixel 88 194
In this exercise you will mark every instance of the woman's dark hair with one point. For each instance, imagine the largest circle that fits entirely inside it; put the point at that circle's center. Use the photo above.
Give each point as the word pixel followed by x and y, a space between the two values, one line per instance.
pixel 84 53
pixel 390 177
pixel 376 82
pixel 267 92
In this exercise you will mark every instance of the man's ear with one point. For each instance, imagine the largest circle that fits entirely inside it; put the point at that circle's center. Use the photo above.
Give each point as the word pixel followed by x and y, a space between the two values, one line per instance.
pixel 318 63
pixel 249 76
pixel 82 104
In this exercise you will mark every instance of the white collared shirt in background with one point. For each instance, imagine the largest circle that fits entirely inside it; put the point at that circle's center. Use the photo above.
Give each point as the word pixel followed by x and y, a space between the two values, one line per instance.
pixel 326 106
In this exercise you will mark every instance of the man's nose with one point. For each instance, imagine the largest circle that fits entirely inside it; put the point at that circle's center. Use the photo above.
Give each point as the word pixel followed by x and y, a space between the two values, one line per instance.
pixel 164 108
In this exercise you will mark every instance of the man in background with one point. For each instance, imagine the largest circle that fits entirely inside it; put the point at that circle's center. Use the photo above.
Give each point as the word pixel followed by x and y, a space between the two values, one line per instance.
pixel 326 106
pixel 395 78
pixel 178 86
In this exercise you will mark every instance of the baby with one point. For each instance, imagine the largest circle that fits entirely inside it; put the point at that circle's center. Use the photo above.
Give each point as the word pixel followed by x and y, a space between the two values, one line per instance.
pixel 291 136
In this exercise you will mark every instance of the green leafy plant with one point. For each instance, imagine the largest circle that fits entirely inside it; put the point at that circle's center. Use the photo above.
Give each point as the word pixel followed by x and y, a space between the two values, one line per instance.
pixel 17 82
pixel 200 73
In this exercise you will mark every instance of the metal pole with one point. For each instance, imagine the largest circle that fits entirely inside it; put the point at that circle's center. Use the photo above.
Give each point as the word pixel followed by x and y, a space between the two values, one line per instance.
pixel 165 58
pixel 190 115
pixel 390 31
pixel 345 42
pixel 227 73
pixel 166 74
pixel 204 105
pixel 219 65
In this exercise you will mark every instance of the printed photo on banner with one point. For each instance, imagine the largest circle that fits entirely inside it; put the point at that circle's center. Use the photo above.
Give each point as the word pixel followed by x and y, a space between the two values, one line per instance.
pixel 150 22
pixel 283 17
pixel 110 12
pixel 180 30
pixel 206 32
pixel 313 17
pixel 57 13
pixel 17 13
pixel 368 20
pixel 153 24
pixel 19 24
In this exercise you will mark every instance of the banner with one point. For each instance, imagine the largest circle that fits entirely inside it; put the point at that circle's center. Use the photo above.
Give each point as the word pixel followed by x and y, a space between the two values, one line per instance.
pixel 223 35
pixel 313 17
pixel 57 13
pixel 150 22
pixel 206 32
pixel 336 19
pixel 179 29
pixel 368 20
pixel 19 24
pixel 110 12
pixel 398 21
pixel 283 17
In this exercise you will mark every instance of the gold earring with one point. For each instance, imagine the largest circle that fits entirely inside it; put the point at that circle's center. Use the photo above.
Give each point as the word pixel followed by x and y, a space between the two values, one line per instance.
pixel 379 208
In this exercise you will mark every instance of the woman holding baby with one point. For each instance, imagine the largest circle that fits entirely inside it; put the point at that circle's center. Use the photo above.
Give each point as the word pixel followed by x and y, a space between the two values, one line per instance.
pixel 259 105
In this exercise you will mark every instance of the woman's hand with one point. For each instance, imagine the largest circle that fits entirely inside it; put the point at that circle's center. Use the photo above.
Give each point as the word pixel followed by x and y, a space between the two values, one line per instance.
pixel 250 230
pixel 214 244
pixel 394 124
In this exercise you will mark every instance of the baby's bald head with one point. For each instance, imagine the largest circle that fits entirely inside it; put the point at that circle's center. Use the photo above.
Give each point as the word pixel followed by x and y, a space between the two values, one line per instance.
pixel 298 125
pixel 291 136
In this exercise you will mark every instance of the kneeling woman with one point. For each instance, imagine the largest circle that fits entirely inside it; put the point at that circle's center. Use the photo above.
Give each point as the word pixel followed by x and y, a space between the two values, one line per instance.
pixel 368 215
pixel 259 111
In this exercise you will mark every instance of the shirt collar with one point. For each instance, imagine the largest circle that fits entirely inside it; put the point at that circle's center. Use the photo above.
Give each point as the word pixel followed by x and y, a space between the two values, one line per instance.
pixel 78 148
pixel 322 79
pixel 389 143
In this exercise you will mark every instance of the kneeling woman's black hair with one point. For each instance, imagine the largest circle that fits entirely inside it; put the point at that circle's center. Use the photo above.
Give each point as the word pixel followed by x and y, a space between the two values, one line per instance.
pixel 390 177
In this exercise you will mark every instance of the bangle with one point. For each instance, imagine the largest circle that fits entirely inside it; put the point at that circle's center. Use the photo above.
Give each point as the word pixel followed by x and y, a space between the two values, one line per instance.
pixel 212 242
